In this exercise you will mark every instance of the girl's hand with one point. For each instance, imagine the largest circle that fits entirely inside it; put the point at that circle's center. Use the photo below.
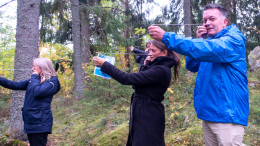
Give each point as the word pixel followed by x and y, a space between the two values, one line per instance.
pixel 147 60
pixel 98 61
pixel 132 48
pixel 35 72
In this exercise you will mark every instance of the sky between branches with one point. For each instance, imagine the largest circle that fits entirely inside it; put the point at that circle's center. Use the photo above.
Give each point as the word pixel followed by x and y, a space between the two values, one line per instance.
pixel 10 11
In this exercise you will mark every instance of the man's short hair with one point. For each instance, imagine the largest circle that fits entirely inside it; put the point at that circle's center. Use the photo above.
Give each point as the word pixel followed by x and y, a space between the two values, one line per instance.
pixel 222 9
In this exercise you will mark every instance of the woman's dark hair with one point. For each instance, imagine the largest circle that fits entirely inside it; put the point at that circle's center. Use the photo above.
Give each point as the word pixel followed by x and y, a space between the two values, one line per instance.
pixel 161 46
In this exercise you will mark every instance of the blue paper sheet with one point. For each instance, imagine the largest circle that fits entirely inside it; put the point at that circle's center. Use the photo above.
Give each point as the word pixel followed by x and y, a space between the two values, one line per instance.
pixel 97 69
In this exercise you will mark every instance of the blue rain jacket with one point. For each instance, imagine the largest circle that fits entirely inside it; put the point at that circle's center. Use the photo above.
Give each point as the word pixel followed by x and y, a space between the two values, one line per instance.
pixel 221 92
pixel 36 111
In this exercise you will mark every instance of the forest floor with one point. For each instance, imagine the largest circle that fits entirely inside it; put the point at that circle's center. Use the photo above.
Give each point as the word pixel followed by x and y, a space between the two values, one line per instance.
pixel 97 120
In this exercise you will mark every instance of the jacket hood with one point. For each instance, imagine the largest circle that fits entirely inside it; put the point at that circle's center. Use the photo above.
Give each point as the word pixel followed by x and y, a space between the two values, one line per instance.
pixel 162 60
pixel 230 30
pixel 55 79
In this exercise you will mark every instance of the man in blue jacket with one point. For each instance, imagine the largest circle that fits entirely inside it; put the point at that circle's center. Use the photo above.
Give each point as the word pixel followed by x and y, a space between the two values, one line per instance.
pixel 221 93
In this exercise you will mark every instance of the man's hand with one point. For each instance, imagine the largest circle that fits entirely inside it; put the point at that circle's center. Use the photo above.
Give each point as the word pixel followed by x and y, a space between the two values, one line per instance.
pixel 156 32
pixel 202 32
pixel 98 61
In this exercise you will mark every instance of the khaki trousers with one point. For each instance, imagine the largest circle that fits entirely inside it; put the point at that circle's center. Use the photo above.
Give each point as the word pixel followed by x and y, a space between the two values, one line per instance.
pixel 223 134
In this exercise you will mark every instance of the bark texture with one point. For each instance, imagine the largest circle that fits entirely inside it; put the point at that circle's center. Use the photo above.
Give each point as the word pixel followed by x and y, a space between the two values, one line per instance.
pixel 78 76
pixel 85 43
pixel 126 32
pixel 227 5
pixel 234 12
pixel 187 17
pixel 27 48
pixel 85 37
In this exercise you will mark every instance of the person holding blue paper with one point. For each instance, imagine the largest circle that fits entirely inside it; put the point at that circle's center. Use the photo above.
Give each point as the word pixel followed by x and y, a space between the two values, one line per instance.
pixel 147 120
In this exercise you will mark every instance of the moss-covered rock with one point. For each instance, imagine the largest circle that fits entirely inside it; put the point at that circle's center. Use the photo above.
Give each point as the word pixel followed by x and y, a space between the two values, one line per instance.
pixel 189 136
pixel 11 142
pixel 117 137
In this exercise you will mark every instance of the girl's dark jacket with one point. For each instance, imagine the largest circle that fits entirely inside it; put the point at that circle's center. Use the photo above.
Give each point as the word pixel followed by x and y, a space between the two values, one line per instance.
pixel 147 121
pixel 141 56
pixel 36 111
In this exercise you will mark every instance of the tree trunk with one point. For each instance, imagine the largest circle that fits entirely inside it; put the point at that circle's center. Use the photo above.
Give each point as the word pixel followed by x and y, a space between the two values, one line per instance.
pixel 27 48
pixel 227 5
pixel 85 37
pixel 187 17
pixel 141 15
pixel 234 16
pixel 126 32
pixel 78 76
pixel 85 42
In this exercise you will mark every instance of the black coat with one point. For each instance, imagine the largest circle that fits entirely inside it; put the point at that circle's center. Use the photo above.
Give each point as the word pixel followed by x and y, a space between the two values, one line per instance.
pixel 36 111
pixel 147 122
pixel 141 56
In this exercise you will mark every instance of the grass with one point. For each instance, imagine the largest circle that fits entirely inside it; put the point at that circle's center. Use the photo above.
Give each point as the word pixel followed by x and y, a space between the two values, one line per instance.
pixel 80 122
pixel 117 137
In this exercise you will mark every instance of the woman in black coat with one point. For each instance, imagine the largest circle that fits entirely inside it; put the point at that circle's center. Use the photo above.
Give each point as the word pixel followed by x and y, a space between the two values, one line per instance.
pixel 36 111
pixel 147 120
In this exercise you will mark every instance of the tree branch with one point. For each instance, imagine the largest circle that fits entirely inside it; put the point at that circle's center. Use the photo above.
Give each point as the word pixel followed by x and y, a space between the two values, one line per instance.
pixel 6 3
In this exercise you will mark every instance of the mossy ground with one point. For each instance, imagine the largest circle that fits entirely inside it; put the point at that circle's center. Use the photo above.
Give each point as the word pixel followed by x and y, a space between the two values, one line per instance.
pixel 116 137
pixel 4 141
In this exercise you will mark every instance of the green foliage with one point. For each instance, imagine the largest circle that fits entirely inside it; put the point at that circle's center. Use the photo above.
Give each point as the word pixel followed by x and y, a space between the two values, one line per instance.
pixel 55 23
pixel 58 53
pixel 7 53
pixel 143 36
pixel 106 21
pixel 140 31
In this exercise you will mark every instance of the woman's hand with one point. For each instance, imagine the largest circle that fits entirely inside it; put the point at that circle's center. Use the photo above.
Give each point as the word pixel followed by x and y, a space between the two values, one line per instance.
pixel 98 61
pixel 147 60
pixel 35 72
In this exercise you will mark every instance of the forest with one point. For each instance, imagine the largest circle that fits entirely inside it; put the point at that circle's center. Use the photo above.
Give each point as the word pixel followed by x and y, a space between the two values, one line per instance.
pixel 90 110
